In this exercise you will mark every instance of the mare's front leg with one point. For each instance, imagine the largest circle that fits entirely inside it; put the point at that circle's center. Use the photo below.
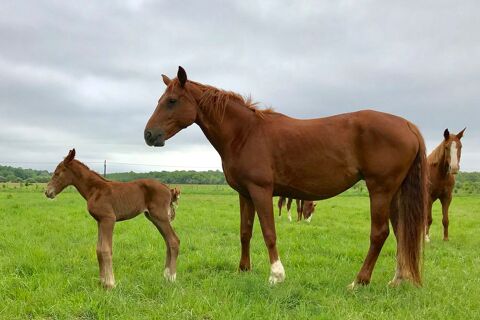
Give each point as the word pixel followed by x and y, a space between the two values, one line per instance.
pixel 161 221
pixel 247 216
pixel 445 205
pixel 262 199
pixel 104 251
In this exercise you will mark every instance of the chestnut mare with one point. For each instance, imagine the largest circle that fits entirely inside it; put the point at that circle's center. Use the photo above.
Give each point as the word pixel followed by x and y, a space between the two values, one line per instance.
pixel 305 208
pixel 111 201
pixel 443 164
pixel 258 151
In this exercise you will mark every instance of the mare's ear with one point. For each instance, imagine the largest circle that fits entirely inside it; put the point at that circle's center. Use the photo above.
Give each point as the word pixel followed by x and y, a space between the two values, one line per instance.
pixel 460 134
pixel 182 76
pixel 70 156
pixel 166 80
pixel 446 134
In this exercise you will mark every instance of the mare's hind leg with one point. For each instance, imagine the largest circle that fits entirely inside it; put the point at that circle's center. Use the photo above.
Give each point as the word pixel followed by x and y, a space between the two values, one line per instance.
pixel 379 207
pixel 445 205
pixel 160 219
pixel 394 211
pixel 262 199
pixel 247 216
pixel 104 251
pixel 429 220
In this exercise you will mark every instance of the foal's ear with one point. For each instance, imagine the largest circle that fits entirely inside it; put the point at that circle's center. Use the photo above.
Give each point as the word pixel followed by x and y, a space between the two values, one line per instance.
pixel 70 156
pixel 182 76
pixel 446 134
pixel 166 80
pixel 460 134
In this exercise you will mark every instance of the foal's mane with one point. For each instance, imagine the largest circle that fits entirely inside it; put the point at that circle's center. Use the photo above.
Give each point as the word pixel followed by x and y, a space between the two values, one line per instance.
pixel 437 154
pixel 214 101
pixel 90 170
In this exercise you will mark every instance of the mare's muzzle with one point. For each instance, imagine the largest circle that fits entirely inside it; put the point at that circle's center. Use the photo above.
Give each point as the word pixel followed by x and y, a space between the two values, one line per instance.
pixel 155 138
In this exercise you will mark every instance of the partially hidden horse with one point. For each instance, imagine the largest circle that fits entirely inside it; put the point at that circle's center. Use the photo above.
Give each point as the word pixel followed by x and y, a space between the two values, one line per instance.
pixel 305 208
pixel 443 165
pixel 258 149
pixel 111 201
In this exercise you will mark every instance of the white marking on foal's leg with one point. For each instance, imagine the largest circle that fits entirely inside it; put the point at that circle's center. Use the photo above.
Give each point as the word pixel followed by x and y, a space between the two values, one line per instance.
pixel 427 238
pixel 309 218
pixel 277 272
pixel 289 216
pixel 169 276
pixel 109 281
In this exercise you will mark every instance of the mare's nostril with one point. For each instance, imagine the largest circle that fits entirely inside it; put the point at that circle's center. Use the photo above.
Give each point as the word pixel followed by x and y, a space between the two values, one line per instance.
pixel 148 134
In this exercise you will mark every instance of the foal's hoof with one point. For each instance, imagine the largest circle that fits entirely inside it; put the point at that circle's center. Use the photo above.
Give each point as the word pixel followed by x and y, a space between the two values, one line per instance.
pixel 108 285
pixel 169 276
pixel 427 238
pixel 277 273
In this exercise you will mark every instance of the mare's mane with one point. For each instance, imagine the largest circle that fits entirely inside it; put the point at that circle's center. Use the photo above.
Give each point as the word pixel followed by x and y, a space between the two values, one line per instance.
pixel 214 101
pixel 437 154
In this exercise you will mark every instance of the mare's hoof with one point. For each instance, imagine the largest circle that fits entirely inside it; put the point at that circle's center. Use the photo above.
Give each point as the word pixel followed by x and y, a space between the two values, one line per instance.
pixel 277 273
pixel 445 239
pixel 171 277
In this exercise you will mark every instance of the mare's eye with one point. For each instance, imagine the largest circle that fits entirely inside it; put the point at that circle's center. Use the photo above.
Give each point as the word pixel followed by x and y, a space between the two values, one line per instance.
pixel 172 101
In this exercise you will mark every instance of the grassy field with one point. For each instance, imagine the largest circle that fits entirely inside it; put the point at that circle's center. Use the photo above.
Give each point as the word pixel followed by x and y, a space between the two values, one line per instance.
pixel 48 267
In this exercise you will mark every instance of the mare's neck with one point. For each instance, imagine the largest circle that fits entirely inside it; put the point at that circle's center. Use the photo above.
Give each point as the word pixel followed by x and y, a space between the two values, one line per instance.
pixel 227 131
pixel 85 180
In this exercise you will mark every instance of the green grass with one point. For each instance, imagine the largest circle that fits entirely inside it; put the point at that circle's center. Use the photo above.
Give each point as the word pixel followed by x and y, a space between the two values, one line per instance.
pixel 48 267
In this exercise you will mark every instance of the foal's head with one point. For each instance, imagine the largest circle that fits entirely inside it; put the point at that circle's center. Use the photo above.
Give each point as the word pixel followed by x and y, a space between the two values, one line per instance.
pixel 453 150
pixel 62 176
pixel 176 110
pixel 308 209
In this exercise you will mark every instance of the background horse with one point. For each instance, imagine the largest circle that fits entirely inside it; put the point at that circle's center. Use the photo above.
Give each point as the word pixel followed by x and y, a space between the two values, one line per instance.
pixel 305 208
pixel 443 164
pixel 257 148
pixel 111 201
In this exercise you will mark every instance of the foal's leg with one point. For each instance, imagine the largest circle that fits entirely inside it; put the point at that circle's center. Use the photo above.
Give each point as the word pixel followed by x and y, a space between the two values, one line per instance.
pixel 247 216
pixel 262 199
pixel 429 220
pixel 172 242
pixel 289 205
pixel 379 207
pixel 104 251
pixel 445 205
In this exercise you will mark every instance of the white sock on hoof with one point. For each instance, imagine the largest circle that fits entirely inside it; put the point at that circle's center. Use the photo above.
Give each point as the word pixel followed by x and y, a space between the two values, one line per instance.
pixel 427 238
pixel 277 272
pixel 169 276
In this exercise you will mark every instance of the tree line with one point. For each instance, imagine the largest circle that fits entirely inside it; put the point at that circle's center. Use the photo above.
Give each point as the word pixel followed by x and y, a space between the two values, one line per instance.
pixel 466 182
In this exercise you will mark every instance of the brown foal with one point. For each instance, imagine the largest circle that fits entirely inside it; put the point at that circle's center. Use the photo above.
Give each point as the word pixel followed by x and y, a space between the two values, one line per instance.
pixel 443 164
pixel 305 208
pixel 111 201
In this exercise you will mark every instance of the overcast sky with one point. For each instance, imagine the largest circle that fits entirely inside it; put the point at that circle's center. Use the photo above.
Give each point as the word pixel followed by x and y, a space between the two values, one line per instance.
pixel 87 74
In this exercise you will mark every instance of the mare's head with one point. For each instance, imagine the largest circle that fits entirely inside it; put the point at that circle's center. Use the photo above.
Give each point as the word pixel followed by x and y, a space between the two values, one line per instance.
pixel 308 209
pixel 453 150
pixel 176 110
pixel 62 176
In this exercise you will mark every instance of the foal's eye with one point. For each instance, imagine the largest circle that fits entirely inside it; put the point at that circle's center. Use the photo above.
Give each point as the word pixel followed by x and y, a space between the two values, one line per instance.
pixel 172 101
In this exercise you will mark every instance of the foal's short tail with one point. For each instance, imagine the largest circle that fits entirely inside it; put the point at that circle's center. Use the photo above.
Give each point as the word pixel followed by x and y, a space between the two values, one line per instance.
pixel 411 214
pixel 281 203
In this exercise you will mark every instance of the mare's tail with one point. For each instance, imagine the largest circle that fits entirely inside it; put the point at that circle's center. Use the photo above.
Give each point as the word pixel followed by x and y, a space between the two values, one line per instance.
pixel 412 199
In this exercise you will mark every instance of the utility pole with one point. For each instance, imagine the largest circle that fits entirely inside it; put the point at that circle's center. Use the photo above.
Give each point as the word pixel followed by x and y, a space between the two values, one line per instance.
pixel 105 168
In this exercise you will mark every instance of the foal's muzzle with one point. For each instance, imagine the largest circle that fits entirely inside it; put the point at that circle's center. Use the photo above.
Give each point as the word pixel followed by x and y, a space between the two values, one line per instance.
pixel 155 138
